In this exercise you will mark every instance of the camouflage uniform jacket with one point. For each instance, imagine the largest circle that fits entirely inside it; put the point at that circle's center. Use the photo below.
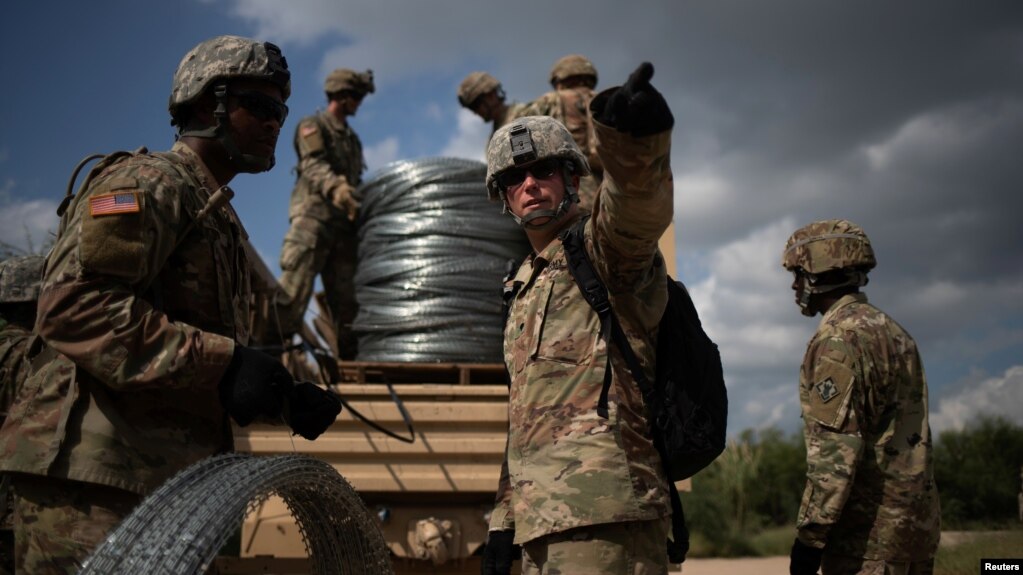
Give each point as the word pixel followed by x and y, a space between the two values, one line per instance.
pixel 870 488
pixel 14 364
pixel 567 466
pixel 571 108
pixel 328 150
pixel 140 308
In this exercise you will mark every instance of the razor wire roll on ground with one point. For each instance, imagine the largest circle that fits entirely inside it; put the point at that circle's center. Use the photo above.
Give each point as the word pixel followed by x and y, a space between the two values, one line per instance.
pixel 179 529
pixel 432 255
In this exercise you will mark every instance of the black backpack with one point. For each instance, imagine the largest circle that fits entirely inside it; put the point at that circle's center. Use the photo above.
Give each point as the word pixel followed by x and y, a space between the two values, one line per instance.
pixel 687 403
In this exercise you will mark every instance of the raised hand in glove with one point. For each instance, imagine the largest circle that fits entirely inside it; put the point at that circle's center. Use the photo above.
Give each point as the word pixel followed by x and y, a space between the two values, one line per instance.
pixel 804 560
pixel 253 386
pixel 636 108
pixel 342 195
pixel 499 553
pixel 310 409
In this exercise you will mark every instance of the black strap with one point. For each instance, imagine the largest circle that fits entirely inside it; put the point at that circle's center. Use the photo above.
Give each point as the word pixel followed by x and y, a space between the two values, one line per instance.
pixel 595 293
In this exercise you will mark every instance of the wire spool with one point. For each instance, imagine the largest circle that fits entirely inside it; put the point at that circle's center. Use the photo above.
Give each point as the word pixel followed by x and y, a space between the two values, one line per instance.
pixel 433 251
pixel 179 528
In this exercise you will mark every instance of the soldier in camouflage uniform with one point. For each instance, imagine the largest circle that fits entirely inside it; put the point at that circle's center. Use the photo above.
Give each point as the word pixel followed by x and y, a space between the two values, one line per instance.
pixel 483 95
pixel 322 239
pixel 19 290
pixel 870 504
pixel 582 492
pixel 574 78
pixel 144 310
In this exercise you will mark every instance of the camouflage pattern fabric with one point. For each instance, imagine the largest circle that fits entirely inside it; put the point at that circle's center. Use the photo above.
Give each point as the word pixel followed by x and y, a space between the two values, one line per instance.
pixel 571 108
pixel 567 466
pixel 635 548
pixel 140 309
pixel 321 236
pixel 14 368
pixel 870 489
pixel 14 365
pixel 61 522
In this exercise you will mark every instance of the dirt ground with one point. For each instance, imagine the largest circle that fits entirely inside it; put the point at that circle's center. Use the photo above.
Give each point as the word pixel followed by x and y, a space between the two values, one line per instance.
pixel 743 566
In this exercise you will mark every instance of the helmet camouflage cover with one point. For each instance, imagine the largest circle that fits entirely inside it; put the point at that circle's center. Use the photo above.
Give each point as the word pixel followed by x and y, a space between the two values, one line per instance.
pixel 226 58
pixel 20 278
pixel 572 65
pixel 347 79
pixel 828 245
pixel 474 85
pixel 529 139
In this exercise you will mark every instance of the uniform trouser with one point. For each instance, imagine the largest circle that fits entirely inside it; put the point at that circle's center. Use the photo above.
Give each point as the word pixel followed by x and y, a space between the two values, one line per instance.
pixel 838 565
pixel 58 523
pixel 632 548
pixel 327 249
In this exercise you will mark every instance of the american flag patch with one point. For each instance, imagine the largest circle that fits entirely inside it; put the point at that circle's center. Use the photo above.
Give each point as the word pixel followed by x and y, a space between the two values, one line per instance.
pixel 116 203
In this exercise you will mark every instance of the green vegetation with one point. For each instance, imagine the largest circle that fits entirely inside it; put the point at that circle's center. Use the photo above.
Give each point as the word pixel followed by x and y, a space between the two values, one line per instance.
pixel 964 558
pixel 745 503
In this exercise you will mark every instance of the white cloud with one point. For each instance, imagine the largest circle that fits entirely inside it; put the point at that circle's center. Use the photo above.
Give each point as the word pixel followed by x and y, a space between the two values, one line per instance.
pixel 381 153
pixel 1000 395
pixel 28 225
pixel 746 306
pixel 470 139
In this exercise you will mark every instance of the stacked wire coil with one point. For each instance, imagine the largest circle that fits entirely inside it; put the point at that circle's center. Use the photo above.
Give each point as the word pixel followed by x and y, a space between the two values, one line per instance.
pixel 432 255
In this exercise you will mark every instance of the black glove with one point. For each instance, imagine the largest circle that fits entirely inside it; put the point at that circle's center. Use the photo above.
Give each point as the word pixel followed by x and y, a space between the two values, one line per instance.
pixel 499 553
pixel 253 386
pixel 310 409
pixel 636 108
pixel 804 560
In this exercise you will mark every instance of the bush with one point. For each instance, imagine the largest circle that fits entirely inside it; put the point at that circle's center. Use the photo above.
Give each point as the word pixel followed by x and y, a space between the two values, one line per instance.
pixel 977 470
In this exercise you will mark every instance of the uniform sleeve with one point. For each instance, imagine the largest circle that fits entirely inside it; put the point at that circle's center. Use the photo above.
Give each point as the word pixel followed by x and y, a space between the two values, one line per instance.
pixel 89 306
pixel 829 393
pixel 502 518
pixel 634 208
pixel 312 157
pixel 545 105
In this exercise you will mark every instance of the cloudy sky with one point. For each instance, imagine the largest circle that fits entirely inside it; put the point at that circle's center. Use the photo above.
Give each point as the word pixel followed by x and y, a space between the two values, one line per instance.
pixel 906 118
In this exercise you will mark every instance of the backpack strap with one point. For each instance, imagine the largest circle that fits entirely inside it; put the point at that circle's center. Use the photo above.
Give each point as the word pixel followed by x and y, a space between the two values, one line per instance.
pixel 595 293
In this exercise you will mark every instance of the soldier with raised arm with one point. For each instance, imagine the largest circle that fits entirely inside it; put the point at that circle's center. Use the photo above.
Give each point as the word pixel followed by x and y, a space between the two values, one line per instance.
pixel 583 489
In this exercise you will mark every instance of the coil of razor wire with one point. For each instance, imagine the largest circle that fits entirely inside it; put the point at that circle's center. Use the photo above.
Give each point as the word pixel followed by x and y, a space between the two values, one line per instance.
pixel 179 528
pixel 433 251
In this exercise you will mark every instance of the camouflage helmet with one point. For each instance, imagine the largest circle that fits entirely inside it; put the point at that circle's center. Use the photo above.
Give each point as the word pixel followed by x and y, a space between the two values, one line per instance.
pixel 828 245
pixel 572 65
pixel 529 139
pixel 226 58
pixel 346 79
pixel 20 278
pixel 474 85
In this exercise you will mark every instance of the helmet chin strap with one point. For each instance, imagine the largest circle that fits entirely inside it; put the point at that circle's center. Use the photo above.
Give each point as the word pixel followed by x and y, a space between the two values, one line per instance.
pixel 244 163
pixel 811 287
pixel 553 216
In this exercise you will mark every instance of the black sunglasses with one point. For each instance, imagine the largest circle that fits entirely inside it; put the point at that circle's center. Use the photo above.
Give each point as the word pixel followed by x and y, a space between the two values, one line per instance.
pixel 262 106
pixel 542 170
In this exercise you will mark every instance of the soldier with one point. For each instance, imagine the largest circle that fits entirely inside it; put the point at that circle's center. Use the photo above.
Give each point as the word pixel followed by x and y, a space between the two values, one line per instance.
pixel 583 492
pixel 324 206
pixel 483 95
pixel 574 78
pixel 143 309
pixel 870 503
pixel 19 290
